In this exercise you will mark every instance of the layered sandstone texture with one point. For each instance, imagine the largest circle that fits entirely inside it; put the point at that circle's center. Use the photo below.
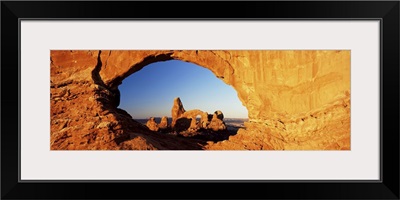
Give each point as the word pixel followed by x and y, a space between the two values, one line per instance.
pixel 295 99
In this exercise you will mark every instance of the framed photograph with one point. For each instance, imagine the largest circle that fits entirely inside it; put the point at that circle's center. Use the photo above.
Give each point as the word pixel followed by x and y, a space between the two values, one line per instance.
pixel 117 97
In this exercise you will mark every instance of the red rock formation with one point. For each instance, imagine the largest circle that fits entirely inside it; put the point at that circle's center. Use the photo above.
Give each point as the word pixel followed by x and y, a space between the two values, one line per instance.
pixel 204 120
pixel 189 122
pixel 192 114
pixel 152 124
pixel 176 111
pixel 295 99
pixel 164 123
pixel 217 123
pixel 193 125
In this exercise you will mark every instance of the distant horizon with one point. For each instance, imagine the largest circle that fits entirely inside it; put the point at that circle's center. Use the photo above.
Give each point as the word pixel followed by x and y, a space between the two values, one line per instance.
pixel 150 92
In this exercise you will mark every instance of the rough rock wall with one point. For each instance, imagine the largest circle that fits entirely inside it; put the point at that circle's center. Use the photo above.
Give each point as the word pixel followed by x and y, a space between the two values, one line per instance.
pixel 283 91
pixel 81 108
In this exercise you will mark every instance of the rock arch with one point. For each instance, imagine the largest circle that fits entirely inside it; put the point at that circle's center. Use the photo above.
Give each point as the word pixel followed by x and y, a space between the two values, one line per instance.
pixel 285 92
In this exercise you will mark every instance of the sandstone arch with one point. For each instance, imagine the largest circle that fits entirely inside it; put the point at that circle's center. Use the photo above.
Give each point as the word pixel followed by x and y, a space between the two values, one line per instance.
pixel 285 92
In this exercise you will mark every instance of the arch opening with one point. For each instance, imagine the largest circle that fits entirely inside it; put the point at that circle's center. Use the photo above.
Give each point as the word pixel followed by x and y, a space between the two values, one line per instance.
pixel 149 96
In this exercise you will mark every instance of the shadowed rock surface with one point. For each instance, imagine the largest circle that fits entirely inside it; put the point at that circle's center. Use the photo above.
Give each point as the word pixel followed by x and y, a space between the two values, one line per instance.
pixel 295 99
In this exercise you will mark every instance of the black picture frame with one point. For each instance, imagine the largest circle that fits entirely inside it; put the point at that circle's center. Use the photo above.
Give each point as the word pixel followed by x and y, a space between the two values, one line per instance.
pixel 385 11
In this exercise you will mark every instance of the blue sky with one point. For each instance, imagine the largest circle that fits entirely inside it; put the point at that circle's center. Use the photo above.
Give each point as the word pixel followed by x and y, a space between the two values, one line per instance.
pixel 150 92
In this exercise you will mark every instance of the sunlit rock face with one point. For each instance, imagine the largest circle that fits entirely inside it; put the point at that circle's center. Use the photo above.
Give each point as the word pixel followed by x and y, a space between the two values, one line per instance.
pixel 164 123
pixel 217 123
pixel 152 124
pixel 295 99
pixel 189 117
pixel 177 111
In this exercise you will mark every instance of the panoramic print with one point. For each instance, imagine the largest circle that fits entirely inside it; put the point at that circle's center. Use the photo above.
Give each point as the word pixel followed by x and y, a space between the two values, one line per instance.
pixel 200 100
